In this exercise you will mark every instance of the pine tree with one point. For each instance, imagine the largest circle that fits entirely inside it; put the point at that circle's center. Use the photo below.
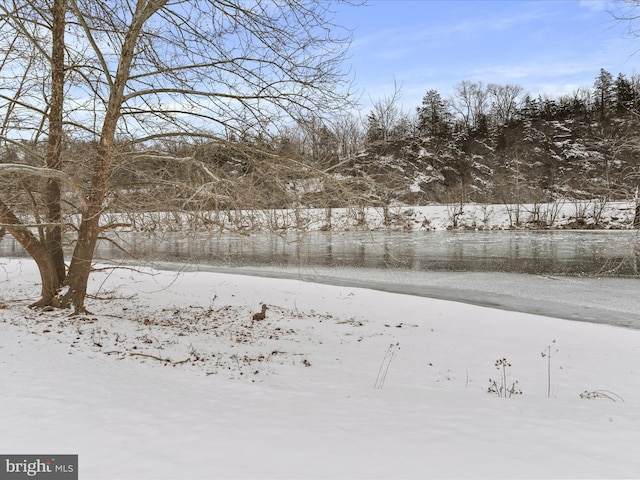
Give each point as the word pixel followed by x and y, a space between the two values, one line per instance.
pixel 434 117
pixel 624 94
pixel 603 93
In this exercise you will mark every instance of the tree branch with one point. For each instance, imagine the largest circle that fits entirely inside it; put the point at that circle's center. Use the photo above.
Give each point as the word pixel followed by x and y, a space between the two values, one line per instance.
pixel 21 169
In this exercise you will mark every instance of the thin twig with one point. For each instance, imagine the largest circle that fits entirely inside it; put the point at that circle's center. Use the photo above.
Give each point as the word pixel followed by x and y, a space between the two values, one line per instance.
pixel 166 360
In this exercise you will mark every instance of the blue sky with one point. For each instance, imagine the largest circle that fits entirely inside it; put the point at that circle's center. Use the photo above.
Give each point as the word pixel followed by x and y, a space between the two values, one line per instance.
pixel 551 46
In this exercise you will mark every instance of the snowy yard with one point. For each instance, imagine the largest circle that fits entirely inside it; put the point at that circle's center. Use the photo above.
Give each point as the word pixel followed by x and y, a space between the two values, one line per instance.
pixel 170 378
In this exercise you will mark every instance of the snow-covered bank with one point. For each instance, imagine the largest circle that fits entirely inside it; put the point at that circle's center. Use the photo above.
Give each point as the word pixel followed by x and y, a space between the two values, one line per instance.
pixel 171 378
pixel 607 300
pixel 561 214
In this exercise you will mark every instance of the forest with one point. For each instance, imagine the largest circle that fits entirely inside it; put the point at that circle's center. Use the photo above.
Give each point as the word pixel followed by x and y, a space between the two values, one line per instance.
pixel 495 144
pixel 485 144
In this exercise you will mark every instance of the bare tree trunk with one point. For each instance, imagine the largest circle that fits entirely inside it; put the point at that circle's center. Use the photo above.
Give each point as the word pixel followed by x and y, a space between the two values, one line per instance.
pixel 80 267
pixel 48 253
pixel 53 231
pixel 37 251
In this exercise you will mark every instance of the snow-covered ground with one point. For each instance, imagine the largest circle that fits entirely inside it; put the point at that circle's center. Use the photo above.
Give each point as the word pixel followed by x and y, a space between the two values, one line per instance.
pixel 562 214
pixel 609 300
pixel 170 378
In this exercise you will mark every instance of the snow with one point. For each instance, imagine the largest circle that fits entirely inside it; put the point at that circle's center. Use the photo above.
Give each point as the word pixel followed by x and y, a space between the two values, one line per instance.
pixel 560 214
pixel 608 300
pixel 170 378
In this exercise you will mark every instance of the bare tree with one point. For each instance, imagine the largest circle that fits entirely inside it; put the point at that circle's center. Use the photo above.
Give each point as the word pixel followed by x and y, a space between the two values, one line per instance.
pixel 385 116
pixel 471 103
pixel 348 130
pixel 140 74
pixel 505 101
pixel 579 101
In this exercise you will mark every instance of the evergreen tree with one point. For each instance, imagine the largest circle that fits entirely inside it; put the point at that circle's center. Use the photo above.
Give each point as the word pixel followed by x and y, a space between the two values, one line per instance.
pixel 434 117
pixel 624 94
pixel 374 131
pixel 603 93
pixel 530 108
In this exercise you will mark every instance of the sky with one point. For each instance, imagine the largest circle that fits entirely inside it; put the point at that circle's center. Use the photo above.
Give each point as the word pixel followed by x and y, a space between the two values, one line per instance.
pixel 548 47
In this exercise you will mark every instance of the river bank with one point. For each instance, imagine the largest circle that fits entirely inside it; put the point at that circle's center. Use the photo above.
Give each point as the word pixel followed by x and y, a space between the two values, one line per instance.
pixel 561 214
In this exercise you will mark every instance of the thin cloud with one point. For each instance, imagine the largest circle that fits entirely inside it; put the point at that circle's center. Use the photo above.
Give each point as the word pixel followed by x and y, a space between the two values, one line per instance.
pixel 596 5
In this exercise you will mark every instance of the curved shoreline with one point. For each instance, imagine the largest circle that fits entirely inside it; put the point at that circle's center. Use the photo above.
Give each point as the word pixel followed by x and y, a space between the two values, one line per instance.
pixel 610 301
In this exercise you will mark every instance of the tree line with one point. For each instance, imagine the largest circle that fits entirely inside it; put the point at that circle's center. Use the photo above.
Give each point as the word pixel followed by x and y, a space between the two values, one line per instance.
pixel 487 142
pixel 477 108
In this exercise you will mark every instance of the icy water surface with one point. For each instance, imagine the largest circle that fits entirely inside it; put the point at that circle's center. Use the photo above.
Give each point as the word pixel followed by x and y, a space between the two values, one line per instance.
pixel 579 275
pixel 536 252
pixel 558 252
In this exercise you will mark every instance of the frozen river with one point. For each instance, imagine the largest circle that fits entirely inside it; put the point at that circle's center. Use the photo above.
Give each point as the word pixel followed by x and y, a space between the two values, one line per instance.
pixel 555 252
pixel 579 275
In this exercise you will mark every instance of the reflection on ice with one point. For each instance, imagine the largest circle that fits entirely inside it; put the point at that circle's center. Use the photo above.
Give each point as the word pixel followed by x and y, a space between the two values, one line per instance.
pixel 539 252
pixel 551 252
